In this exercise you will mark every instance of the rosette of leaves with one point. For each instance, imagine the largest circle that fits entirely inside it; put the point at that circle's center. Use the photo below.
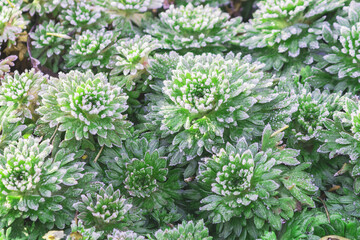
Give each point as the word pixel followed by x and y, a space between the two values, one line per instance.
pixel 342 47
pixel 78 231
pixel 209 99
pixel 6 63
pixel 251 188
pixel 186 230
pixel 48 41
pixel 19 92
pixel 201 28
pixel 106 210
pixel 33 184
pixel 314 224
pixel 45 6
pixel 130 9
pixel 82 16
pixel 140 169
pixel 84 106
pixel 212 3
pixel 131 59
pixel 283 31
pixel 314 106
pixel 90 50
pixel 342 137
pixel 124 235
pixel 11 23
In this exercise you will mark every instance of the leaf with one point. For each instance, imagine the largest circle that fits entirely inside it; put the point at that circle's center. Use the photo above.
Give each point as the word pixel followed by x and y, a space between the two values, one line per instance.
pixel 357 185
pixel 328 34
pixel 333 69
pixel 278 64
pixel 353 16
pixel 259 222
pixel 33 204
pixel 351 105
pixel 270 185
pixel 266 138
pixel 45 192
pixel 333 58
pixel 274 220
pixel 301 197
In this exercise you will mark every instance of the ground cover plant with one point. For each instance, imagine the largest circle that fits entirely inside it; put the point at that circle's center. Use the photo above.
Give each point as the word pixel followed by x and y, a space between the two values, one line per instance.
pixel 179 119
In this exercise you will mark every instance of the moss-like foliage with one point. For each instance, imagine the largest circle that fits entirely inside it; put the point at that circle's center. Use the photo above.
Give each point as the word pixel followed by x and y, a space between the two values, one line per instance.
pixel 179 119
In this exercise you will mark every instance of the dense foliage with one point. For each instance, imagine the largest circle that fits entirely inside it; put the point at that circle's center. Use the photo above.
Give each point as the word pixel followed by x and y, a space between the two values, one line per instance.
pixel 179 119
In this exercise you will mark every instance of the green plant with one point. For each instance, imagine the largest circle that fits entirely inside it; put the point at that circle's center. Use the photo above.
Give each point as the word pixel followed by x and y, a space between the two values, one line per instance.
pixel 189 27
pixel 286 32
pixel 313 107
pixel 84 105
pixel 153 119
pixel 33 183
pixel 209 99
pixel 341 58
pixel 341 137
pixel 130 9
pixel 48 41
pixel 11 23
pixel 185 230
pixel 314 224
pixel 131 59
pixel 78 230
pixel 42 7
pixel 251 188
pixel 106 210
pixel 81 16
pixel 125 235
pixel 19 93
pixel 140 169
pixel 90 50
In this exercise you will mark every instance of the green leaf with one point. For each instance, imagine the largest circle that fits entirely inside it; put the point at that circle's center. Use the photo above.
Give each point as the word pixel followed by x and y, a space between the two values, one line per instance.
pixel 328 34
pixel 33 204
pixel 353 15
pixel 333 58
pixel 266 138
pixel 357 185
pixel 259 222
pixel 270 185
pixel 274 220
pixel 301 197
